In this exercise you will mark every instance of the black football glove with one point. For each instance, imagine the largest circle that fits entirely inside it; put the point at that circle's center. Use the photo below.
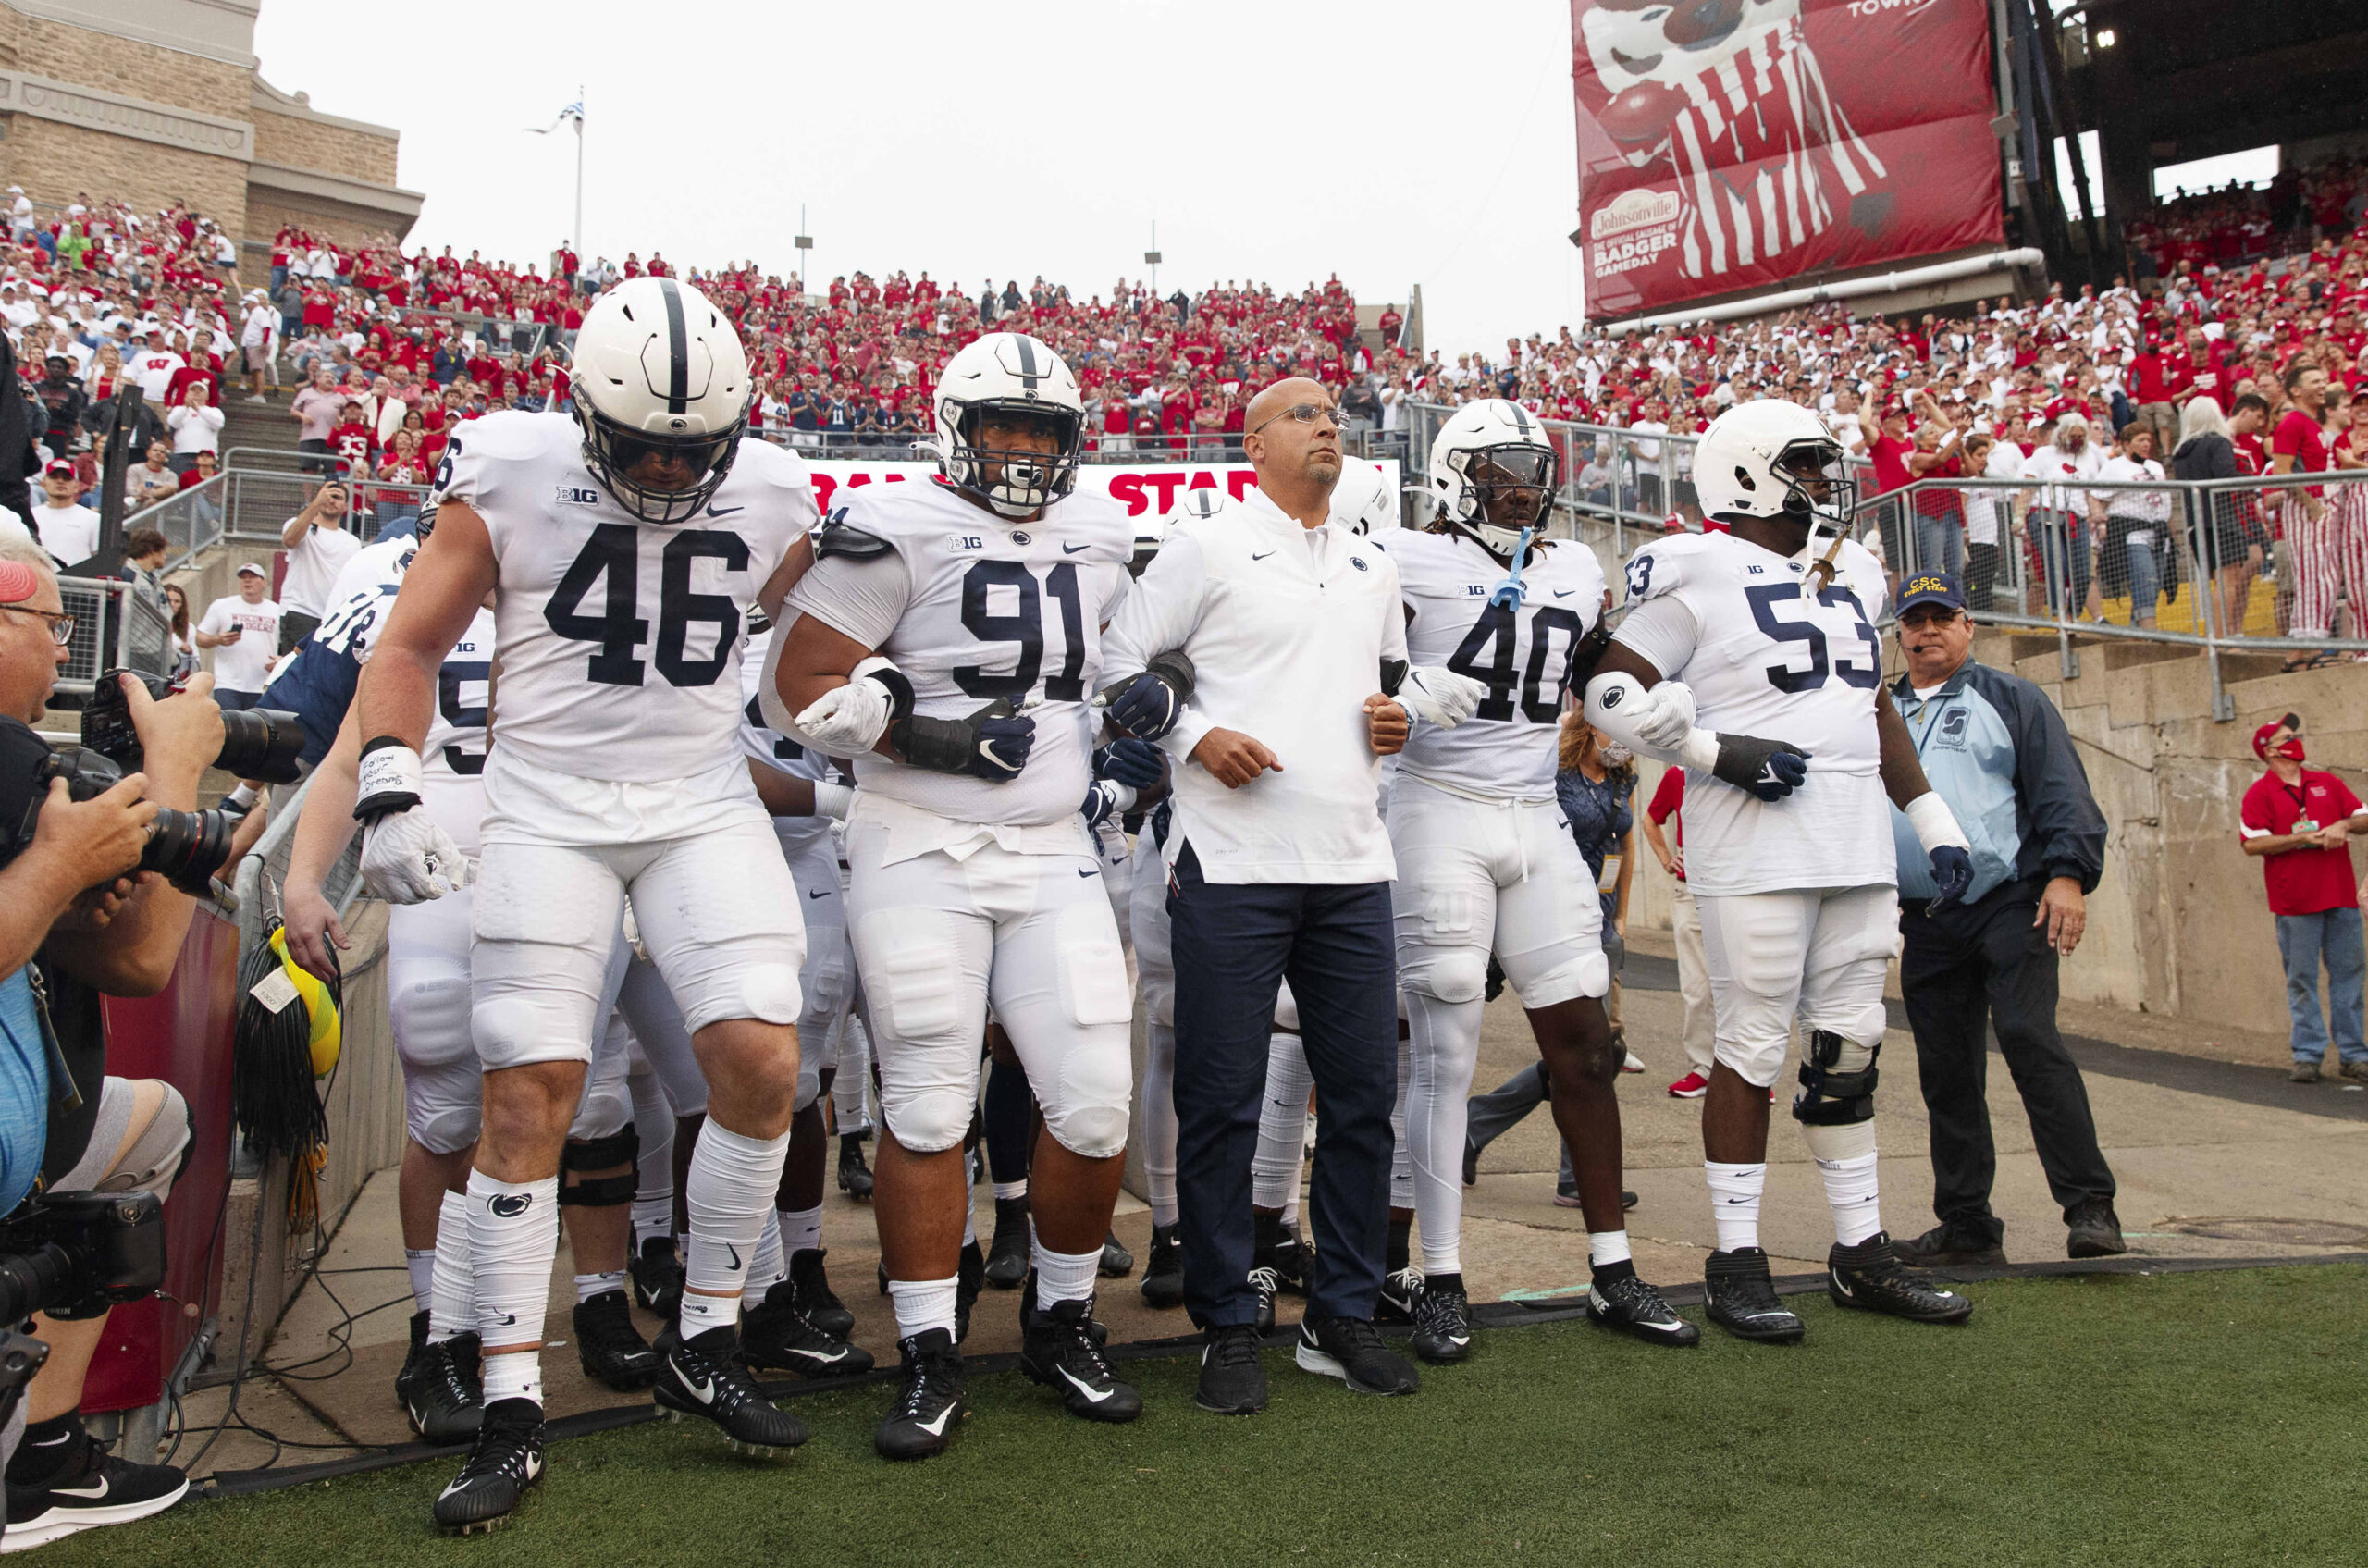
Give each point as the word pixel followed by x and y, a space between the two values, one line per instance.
pixel 1952 874
pixel 1771 770
pixel 992 744
pixel 1135 763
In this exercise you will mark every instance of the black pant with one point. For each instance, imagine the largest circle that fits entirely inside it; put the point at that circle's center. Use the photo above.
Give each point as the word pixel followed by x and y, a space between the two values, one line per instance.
pixel 1232 945
pixel 1988 962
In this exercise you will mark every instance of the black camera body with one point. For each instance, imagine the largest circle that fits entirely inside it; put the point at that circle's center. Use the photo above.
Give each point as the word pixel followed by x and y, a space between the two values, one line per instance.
pixel 76 1254
pixel 261 744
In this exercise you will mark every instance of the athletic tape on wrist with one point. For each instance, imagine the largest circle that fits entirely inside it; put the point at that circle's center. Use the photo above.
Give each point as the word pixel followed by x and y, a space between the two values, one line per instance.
pixel 387 779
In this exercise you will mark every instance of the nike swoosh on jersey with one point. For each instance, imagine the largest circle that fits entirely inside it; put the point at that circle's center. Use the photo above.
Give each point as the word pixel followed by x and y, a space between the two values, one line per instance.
pixel 1087 872
pixel 1083 1386
pixel 1564 593
pixel 1262 557
pixel 825 893
pixel 714 511
pixel 1072 549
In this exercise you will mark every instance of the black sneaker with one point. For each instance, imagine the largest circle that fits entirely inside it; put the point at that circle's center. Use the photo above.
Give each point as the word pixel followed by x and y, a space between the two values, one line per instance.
pixel 1117 1262
pixel 1294 1264
pixel 929 1402
pixel 1628 1303
pixel 1443 1320
pixel 612 1349
pixel 1350 1349
pixel 2096 1230
pixel 1007 1253
pixel 704 1376
pixel 855 1177
pixel 1163 1283
pixel 1947 1246
pixel 970 1279
pixel 85 1489
pixel 1057 1349
pixel 810 1287
pixel 1869 1278
pixel 776 1333
pixel 1233 1381
pixel 1742 1298
pixel 1263 1284
pixel 508 1459
pixel 442 1406
pixel 658 1277
pixel 1399 1291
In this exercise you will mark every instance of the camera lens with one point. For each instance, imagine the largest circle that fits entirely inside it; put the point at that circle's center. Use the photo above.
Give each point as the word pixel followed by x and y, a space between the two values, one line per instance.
pixel 261 744
pixel 188 847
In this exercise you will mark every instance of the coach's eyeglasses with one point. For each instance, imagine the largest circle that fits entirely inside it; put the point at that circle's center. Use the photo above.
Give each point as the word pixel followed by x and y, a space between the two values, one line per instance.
pixel 1305 414
pixel 61 626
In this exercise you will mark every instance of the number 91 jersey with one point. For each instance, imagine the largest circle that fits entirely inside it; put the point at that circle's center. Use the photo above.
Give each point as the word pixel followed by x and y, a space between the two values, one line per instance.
pixel 1728 619
pixel 974 609
pixel 621 640
pixel 1507 749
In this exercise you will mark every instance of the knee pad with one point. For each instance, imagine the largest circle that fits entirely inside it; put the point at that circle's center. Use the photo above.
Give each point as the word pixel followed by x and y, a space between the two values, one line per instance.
pixel 512 1029
pixel 1758 1064
pixel 764 989
pixel 1089 1108
pixel 621 1148
pixel 439 1122
pixel 155 1160
pixel 926 1121
pixel 1446 974
pixel 1837 1080
pixel 1568 973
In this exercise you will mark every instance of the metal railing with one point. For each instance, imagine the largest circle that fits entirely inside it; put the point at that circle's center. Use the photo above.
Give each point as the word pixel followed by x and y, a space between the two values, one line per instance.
pixel 117 627
pixel 264 872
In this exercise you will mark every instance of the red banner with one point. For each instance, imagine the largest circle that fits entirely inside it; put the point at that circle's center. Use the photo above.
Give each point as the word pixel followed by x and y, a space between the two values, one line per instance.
pixel 1726 145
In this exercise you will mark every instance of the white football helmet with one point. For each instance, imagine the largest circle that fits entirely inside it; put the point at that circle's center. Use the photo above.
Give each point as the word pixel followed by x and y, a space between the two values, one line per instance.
pixel 1152 532
pixel 1011 375
pixel 1493 471
pixel 659 370
pixel 1771 459
pixel 1364 502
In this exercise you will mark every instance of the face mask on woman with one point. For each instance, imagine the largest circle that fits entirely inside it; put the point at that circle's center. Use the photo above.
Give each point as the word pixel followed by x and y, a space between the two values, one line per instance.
pixel 1617 756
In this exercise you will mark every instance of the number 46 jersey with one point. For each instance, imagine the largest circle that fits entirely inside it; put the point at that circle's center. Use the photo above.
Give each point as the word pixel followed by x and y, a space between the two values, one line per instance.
pixel 619 639
pixel 975 609
pixel 1506 750
pixel 1728 617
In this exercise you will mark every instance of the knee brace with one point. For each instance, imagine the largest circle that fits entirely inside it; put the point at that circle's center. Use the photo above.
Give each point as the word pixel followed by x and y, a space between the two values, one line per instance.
pixel 1834 1094
pixel 622 1148
pixel 1446 974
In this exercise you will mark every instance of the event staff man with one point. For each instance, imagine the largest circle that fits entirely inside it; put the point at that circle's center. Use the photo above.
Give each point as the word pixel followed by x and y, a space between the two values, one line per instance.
pixel 1279 866
pixel 1996 750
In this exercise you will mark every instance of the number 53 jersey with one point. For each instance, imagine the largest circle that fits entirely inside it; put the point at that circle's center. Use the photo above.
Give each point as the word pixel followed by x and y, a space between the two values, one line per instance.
pixel 1506 750
pixel 1728 617
pixel 976 609
pixel 619 639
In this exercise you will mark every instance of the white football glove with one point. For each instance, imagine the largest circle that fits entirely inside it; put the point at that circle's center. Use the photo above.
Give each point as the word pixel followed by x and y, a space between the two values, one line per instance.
pixel 407 858
pixel 848 720
pixel 1438 696
pixel 1665 716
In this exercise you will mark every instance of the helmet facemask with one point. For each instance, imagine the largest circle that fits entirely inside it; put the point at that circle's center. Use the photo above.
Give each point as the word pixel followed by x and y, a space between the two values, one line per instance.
pixel 613 452
pixel 1819 488
pixel 1507 489
pixel 1024 481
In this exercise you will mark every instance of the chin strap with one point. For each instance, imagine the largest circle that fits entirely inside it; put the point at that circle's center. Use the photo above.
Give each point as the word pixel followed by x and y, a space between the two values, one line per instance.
pixel 1509 594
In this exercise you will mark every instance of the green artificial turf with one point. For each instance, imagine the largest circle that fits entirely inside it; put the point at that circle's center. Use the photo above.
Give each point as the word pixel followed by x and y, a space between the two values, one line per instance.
pixel 2197 1418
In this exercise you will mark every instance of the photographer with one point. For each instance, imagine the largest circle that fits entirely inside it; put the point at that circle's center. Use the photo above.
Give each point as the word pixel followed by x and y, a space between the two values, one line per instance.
pixel 86 936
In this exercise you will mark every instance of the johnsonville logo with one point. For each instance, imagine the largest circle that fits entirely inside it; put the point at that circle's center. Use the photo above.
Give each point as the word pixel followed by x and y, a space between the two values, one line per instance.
pixel 1632 210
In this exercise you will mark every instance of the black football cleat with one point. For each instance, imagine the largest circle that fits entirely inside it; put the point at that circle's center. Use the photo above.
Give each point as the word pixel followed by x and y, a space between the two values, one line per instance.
pixel 1117 1262
pixel 612 1349
pixel 775 1332
pixel 1443 1320
pixel 1058 1349
pixel 507 1459
pixel 1868 1278
pixel 1007 1252
pixel 658 1277
pixel 928 1403
pixel 855 1177
pixel 1294 1264
pixel 1633 1306
pixel 1163 1283
pixel 704 1376
pixel 810 1286
pixel 1741 1295
pixel 443 1406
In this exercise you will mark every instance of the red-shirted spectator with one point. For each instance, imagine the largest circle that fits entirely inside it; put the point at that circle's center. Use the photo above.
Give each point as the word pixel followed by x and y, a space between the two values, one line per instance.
pixel 2300 822
pixel 1664 826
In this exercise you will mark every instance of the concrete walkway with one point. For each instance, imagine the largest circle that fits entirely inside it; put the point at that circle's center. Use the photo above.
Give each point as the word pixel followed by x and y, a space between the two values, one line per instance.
pixel 2216 1154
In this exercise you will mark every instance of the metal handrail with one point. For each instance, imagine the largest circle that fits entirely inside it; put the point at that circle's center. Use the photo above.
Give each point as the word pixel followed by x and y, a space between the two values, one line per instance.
pixel 266 869
pixel 116 627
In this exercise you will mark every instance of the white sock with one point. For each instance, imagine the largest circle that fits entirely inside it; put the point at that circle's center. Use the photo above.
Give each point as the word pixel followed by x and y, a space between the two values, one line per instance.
pixel 1291 1209
pixel 1850 1189
pixel 513 1241
pixel 453 1298
pixel 1063 1277
pixel 767 1265
pixel 422 1268
pixel 922 1304
pixel 242 795
pixel 1735 1202
pixel 653 1218
pixel 1608 1246
pixel 801 1229
pixel 1006 1191
pixel 591 1285
pixel 731 1195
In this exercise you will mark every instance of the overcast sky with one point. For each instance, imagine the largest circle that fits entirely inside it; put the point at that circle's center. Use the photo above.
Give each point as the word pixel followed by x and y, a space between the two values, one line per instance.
pixel 1393 142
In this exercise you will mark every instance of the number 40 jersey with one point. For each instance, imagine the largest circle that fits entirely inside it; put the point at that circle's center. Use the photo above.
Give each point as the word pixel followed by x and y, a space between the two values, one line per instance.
pixel 1728 619
pixel 621 639
pixel 1507 749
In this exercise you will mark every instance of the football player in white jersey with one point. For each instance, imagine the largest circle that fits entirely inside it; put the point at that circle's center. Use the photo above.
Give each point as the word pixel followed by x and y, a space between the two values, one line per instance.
pixel 948 639
pixel 1751 657
pixel 1486 863
pixel 625 551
